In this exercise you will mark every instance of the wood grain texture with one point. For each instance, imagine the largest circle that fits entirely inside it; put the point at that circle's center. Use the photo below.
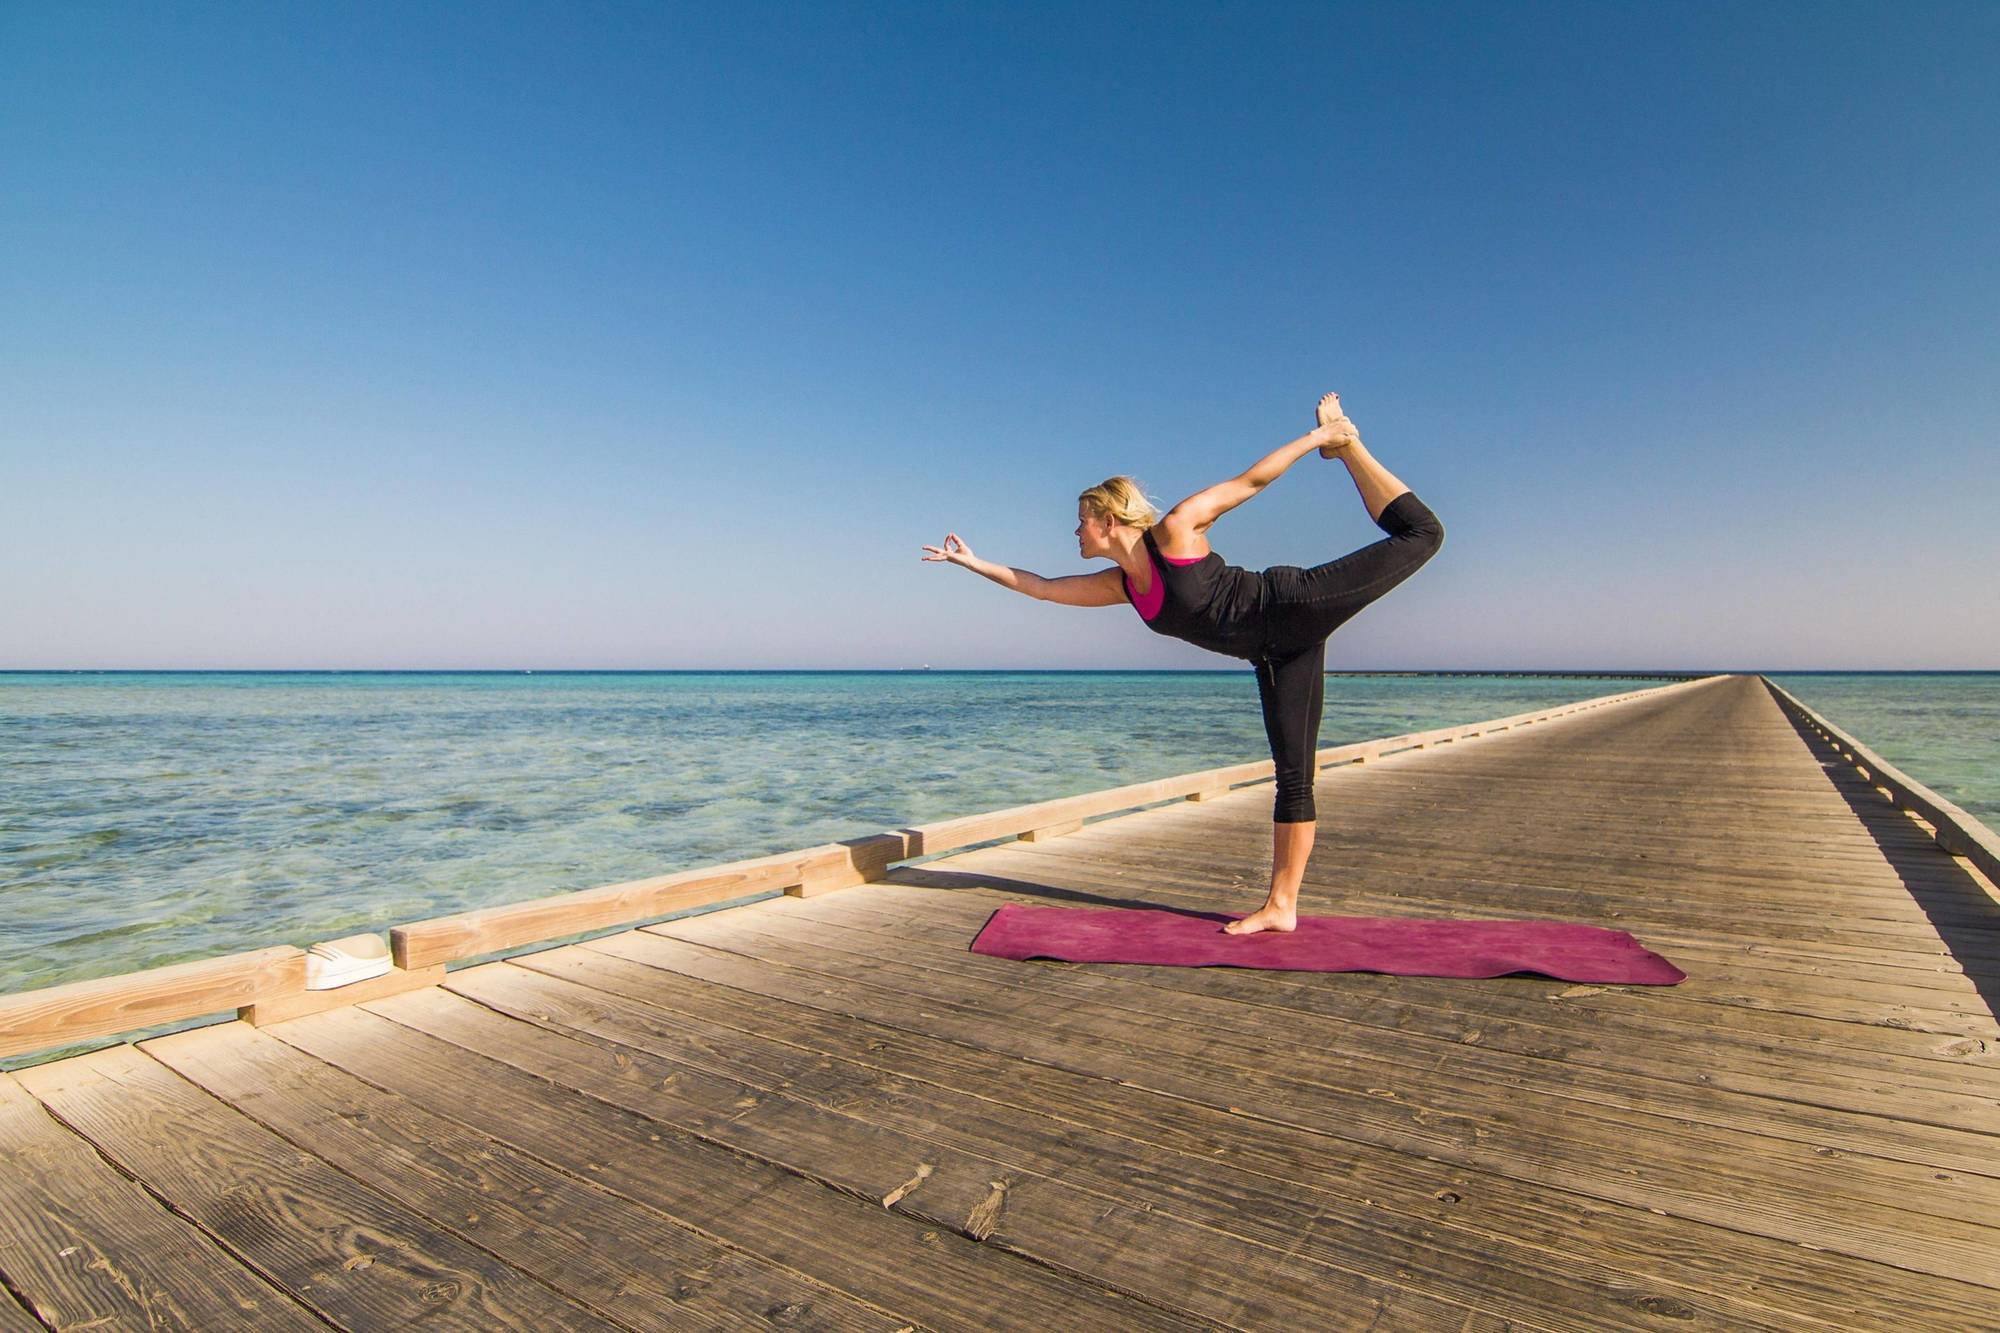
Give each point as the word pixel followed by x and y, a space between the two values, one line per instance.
pixel 14 1317
pixel 1045 1217
pixel 297 1004
pixel 344 1251
pixel 1933 1108
pixel 622 1260
pixel 1636 1255
pixel 1861 1206
pixel 1037 1132
pixel 933 1275
pixel 448 939
pixel 62 1015
pixel 86 1246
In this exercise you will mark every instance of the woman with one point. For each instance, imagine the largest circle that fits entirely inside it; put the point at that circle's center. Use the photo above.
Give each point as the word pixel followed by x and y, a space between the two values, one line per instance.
pixel 1278 619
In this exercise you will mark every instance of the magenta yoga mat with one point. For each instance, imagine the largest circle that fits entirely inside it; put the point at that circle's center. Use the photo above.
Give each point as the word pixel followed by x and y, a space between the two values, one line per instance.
pixel 1403 946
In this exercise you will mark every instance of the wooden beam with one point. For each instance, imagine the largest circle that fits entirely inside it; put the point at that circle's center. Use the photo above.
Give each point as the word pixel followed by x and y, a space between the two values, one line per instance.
pixel 948 834
pixel 60 1015
pixel 866 858
pixel 297 1004
pixel 448 939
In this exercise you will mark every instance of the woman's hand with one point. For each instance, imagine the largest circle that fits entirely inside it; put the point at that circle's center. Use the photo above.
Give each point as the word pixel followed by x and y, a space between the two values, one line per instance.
pixel 954 550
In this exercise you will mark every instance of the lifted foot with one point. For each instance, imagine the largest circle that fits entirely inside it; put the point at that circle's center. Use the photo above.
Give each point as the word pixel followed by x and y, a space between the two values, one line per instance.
pixel 1334 424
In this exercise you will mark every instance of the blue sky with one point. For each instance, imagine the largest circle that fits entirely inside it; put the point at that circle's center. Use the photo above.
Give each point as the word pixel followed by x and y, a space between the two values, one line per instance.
pixel 657 336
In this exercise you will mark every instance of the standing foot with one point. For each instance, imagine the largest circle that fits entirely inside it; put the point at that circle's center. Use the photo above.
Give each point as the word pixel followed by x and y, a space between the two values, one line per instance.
pixel 1270 916
pixel 1334 424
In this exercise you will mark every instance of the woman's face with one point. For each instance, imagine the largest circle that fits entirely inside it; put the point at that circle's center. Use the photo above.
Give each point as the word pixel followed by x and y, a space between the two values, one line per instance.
pixel 1093 532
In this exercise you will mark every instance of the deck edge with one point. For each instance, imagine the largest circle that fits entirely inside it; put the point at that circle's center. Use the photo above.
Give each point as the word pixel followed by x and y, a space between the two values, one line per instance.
pixel 1955 829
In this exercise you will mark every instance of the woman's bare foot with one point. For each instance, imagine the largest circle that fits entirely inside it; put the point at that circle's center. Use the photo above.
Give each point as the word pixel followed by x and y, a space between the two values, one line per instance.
pixel 1333 421
pixel 1271 916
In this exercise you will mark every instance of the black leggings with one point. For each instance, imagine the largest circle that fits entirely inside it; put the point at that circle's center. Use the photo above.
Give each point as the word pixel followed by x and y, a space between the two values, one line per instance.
pixel 1305 606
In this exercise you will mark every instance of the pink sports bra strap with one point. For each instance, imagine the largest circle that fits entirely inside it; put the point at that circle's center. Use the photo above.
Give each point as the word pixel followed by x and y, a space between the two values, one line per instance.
pixel 1148 603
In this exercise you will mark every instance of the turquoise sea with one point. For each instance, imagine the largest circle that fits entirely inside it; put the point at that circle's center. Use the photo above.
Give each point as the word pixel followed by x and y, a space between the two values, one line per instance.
pixel 148 818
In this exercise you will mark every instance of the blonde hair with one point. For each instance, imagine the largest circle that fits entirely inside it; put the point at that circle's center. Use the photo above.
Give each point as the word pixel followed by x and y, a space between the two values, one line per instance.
pixel 1120 500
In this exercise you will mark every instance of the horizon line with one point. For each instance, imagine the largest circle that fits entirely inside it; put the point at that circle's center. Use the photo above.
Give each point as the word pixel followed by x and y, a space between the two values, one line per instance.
pixel 929 670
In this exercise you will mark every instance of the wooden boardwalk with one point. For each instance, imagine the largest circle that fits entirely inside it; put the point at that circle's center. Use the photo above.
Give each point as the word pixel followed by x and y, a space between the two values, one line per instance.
pixel 825 1113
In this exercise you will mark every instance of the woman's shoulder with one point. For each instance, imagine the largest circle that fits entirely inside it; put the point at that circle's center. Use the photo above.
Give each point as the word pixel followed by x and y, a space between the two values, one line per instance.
pixel 1178 541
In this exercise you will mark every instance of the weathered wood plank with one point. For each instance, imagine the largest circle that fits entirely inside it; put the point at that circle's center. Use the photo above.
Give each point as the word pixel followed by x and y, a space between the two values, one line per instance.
pixel 1094 887
pixel 1385 847
pixel 1934 1126
pixel 62 1015
pixel 949 834
pixel 86 1247
pixel 622 1260
pixel 1716 1010
pixel 1639 1267
pixel 938 1277
pixel 1745 1180
pixel 297 1004
pixel 1575 1231
pixel 14 1318
pixel 447 939
pixel 337 1248
pixel 1222 885
pixel 978 1190
pixel 1452 1077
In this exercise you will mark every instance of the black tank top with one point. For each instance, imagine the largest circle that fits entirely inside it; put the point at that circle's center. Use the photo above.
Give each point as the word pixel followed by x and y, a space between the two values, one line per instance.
pixel 1210 604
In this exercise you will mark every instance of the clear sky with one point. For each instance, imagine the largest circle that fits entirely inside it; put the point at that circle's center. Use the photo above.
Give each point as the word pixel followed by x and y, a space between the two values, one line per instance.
pixel 502 335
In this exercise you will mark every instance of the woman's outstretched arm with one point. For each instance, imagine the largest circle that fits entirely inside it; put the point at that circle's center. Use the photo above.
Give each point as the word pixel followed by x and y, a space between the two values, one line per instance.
pixel 1204 507
pixel 1098 589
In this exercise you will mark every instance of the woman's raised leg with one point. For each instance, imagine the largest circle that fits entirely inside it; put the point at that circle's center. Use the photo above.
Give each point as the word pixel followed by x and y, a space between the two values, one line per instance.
pixel 1378 485
pixel 1307 605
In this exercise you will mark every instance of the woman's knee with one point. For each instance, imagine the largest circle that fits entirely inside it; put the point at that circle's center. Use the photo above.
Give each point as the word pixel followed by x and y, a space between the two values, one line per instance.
pixel 1410 519
pixel 1432 528
pixel 1423 538
pixel 1294 804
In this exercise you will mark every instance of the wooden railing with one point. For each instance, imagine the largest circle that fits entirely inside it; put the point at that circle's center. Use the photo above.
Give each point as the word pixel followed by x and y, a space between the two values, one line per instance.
pixel 268 985
pixel 1955 830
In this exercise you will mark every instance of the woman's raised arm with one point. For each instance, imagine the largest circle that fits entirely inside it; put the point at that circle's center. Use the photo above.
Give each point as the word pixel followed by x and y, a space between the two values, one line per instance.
pixel 1202 508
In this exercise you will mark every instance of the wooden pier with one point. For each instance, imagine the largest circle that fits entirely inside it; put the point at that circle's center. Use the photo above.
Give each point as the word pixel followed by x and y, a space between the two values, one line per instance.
pixel 818 1110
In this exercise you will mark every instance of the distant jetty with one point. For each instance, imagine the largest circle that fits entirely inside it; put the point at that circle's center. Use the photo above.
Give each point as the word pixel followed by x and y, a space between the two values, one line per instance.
pixel 1541 675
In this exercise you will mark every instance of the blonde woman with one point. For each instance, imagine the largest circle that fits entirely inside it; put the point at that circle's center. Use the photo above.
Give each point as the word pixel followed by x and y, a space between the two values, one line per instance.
pixel 1277 619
